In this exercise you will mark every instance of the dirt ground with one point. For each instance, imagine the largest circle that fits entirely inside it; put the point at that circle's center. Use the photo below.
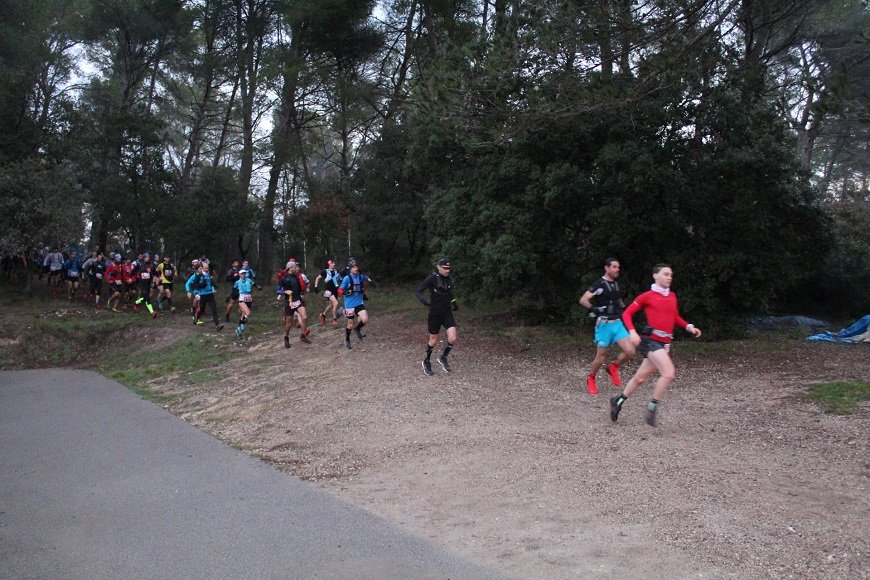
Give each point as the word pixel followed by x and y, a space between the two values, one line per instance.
pixel 508 461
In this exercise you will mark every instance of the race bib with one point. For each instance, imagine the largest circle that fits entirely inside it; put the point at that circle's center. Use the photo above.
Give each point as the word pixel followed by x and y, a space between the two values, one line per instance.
pixel 245 297
pixel 73 274
pixel 296 304
pixel 327 294
pixel 350 312
pixel 145 275
pixel 99 276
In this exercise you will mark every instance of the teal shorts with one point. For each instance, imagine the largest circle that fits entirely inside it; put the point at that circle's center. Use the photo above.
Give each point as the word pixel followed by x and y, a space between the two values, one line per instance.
pixel 608 332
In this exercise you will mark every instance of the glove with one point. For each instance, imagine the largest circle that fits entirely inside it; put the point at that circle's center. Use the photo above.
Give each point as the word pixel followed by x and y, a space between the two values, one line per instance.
pixel 454 305
pixel 341 291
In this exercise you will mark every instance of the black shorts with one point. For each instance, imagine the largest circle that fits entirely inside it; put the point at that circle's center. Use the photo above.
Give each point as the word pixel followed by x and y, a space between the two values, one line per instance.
pixel 439 319
pixel 234 294
pixel 117 287
pixel 648 345
pixel 96 285
pixel 72 279
pixel 165 285
pixel 288 311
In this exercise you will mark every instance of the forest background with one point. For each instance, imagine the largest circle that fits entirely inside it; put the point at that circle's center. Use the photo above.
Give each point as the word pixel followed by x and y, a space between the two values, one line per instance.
pixel 527 140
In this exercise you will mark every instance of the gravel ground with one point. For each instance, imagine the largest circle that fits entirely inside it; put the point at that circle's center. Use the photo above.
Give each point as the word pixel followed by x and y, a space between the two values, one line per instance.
pixel 507 459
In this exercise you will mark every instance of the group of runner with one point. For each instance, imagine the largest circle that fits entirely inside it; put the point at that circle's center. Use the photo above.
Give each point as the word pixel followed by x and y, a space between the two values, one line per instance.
pixel 135 282
pixel 614 325
pixel 149 283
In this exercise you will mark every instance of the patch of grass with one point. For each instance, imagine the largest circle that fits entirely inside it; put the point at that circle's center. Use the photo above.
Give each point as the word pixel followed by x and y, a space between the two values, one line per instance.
pixel 391 299
pixel 62 338
pixel 840 397
pixel 193 358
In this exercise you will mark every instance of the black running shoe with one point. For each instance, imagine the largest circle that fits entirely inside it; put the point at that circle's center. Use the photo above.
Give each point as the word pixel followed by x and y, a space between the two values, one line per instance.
pixel 219 327
pixel 442 360
pixel 359 333
pixel 286 342
pixel 427 368
pixel 614 409
pixel 303 338
pixel 649 415
pixel 347 345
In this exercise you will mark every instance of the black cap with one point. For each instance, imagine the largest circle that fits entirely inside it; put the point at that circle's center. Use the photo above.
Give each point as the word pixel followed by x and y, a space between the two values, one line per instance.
pixel 444 262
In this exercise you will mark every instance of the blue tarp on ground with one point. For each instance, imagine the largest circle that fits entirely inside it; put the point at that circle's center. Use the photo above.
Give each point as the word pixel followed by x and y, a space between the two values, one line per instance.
pixel 857 333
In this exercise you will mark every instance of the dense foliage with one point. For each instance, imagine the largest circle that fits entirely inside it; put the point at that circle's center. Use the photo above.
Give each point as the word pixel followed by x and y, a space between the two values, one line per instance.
pixel 526 140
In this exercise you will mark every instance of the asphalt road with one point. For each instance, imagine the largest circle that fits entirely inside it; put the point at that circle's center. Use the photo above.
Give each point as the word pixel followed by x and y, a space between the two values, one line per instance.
pixel 97 483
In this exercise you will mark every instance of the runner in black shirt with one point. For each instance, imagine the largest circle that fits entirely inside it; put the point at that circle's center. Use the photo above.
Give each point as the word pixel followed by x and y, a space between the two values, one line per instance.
pixel 441 305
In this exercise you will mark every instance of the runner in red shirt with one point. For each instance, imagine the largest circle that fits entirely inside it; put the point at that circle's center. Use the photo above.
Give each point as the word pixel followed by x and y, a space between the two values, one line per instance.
pixel 115 279
pixel 660 306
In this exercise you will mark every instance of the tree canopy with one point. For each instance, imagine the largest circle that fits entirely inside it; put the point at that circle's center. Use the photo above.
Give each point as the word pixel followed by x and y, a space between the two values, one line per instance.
pixel 526 140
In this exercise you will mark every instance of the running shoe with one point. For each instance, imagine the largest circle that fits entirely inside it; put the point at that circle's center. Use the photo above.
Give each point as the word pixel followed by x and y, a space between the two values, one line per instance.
pixel 154 314
pixel 219 327
pixel 115 309
pixel 590 385
pixel 649 415
pixel 305 339
pixel 347 345
pixel 199 322
pixel 614 409
pixel 442 360
pixel 286 342
pixel 172 309
pixel 359 333
pixel 307 331
pixel 613 371
pixel 322 319
pixel 427 368
pixel 239 331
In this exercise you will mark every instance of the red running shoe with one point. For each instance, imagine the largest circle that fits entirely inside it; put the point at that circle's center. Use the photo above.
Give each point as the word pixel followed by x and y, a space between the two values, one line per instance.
pixel 613 371
pixel 590 385
pixel 322 319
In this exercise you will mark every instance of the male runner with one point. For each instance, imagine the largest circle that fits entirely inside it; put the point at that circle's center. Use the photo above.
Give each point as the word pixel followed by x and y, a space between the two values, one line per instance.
pixel 331 278
pixel 291 289
pixel 351 288
pixel 441 305
pixel 604 302
pixel 165 278
pixel 662 314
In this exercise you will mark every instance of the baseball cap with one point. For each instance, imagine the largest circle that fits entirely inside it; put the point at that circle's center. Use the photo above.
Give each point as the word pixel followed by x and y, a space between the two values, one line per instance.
pixel 117 256
pixel 444 262
pixel 290 264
